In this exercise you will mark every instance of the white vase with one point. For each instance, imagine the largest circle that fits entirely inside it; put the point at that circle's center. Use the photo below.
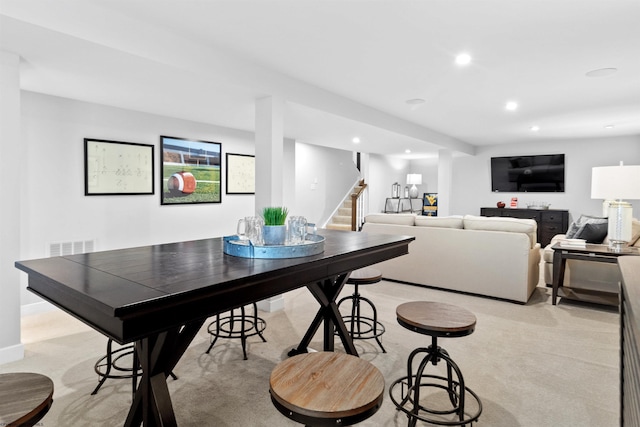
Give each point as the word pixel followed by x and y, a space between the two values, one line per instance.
pixel 274 234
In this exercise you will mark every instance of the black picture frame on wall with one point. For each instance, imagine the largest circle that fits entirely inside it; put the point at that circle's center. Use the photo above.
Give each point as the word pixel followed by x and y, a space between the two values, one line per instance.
pixel 191 171
pixel 240 173
pixel 116 168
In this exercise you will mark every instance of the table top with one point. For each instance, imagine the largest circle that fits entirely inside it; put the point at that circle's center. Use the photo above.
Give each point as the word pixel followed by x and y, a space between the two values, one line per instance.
pixel 128 294
pixel 24 397
pixel 596 249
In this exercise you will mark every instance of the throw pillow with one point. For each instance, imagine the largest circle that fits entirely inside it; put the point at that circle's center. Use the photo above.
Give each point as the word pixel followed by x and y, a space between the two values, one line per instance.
pixel 592 232
pixel 576 226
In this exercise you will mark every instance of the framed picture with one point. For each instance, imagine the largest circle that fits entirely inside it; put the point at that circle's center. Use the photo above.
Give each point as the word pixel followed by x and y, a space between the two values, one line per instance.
pixel 190 171
pixel 430 204
pixel 241 174
pixel 117 168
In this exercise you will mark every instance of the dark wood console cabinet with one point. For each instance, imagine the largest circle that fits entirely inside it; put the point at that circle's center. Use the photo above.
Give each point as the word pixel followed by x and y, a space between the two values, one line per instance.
pixel 550 221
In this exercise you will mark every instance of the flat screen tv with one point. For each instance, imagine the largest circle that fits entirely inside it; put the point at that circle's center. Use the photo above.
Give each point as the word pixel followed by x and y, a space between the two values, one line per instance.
pixel 528 174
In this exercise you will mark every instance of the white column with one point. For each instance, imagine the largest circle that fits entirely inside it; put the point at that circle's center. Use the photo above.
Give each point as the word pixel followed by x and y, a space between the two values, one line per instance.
pixel 269 152
pixel 445 172
pixel 12 172
pixel 269 166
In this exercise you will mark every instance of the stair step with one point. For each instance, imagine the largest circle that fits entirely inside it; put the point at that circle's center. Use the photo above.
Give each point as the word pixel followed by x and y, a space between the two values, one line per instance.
pixel 344 212
pixel 340 219
pixel 344 227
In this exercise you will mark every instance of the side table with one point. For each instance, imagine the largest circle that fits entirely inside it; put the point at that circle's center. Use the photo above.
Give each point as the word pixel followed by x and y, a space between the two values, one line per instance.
pixel 590 252
pixel 397 205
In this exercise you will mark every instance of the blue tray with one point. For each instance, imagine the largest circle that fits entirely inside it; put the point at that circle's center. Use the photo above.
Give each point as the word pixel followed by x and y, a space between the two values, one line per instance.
pixel 313 245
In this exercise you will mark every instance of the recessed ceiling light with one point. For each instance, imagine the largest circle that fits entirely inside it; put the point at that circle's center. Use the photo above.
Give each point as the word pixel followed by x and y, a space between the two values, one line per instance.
pixel 463 59
pixel 534 128
pixel 407 151
pixel 511 106
pixel 601 72
pixel 415 101
pixel 356 140
pixel 609 126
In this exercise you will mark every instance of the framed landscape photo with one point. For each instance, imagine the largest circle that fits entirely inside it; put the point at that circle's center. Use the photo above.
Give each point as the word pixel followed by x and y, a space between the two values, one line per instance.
pixel 241 174
pixel 190 171
pixel 117 168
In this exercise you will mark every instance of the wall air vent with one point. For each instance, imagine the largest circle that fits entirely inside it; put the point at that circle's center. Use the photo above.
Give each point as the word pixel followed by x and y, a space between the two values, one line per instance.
pixel 71 248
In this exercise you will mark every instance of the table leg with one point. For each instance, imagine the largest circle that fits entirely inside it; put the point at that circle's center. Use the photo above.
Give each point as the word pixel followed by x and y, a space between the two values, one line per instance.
pixel 326 293
pixel 158 355
pixel 559 266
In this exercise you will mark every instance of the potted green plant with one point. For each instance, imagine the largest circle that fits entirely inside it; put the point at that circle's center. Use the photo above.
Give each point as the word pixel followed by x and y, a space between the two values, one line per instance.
pixel 275 230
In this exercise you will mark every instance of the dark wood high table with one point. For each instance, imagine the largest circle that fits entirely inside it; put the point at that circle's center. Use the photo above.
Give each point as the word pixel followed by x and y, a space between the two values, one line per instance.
pixel 159 296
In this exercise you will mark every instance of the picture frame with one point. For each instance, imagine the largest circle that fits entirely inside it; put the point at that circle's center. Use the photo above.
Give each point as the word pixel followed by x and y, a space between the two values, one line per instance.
pixel 240 173
pixel 191 171
pixel 117 168
pixel 430 204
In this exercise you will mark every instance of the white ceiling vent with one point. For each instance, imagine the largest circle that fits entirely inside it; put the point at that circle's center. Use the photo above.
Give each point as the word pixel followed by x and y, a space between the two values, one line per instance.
pixel 71 248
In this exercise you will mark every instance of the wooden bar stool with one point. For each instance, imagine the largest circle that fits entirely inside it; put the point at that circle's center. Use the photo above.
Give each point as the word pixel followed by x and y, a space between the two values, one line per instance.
pixel 239 326
pixel 24 398
pixel 326 389
pixel 437 320
pixel 363 327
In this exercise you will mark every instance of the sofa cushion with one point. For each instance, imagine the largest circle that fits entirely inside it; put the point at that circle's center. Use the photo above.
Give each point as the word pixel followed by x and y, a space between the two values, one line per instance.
pixel 498 223
pixel 635 233
pixel 454 221
pixel 395 219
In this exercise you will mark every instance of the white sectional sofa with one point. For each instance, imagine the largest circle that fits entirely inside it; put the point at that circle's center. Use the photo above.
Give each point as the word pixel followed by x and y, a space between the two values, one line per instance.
pixel 491 256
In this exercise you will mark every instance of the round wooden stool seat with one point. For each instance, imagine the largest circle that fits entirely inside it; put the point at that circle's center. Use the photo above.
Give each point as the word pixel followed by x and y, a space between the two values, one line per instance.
pixel 364 276
pixel 326 389
pixel 361 326
pixel 436 319
pixel 433 398
pixel 24 398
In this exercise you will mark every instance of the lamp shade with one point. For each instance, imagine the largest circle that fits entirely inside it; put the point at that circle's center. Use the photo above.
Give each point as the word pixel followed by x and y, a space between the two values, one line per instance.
pixel 414 178
pixel 615 182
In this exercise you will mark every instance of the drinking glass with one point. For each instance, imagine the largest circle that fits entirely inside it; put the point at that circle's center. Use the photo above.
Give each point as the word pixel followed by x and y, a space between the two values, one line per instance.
pixel 297 230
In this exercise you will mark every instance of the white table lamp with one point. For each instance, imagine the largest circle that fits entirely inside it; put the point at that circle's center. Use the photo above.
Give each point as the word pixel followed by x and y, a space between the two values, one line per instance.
pixel 616 183
pixel 414 179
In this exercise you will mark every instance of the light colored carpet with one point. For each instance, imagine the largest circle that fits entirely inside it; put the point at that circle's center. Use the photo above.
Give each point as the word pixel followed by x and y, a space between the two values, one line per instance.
pixel 532 365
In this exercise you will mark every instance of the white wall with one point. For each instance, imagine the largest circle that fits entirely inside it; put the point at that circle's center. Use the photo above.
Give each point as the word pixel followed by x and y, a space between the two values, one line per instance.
pixel 472 179
pixel 324 176
pixel 383 172
pixel 471 186
pixel 55 208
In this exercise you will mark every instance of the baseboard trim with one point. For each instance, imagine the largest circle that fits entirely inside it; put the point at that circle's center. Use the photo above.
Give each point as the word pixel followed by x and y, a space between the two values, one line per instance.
pixel 36 308
pixel 272 304
pixel 11 353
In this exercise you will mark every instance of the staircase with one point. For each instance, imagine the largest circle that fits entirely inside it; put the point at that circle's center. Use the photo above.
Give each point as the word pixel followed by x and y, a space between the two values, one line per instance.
pixel 345 215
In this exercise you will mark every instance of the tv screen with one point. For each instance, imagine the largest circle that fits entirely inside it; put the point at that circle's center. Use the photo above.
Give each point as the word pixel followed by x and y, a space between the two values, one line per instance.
pixel 528 174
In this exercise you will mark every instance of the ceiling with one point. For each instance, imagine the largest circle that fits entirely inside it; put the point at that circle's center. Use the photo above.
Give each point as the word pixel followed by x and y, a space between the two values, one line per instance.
pixel 345 68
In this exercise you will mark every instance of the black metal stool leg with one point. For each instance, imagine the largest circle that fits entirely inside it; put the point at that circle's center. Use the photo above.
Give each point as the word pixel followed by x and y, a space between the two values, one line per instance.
pixel 360 326
pixel 215 336
pixel 375 322
pixel 240 326
pixel 107 368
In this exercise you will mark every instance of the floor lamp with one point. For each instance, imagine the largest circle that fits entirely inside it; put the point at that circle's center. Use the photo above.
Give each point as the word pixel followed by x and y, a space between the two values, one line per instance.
pixel 617 183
